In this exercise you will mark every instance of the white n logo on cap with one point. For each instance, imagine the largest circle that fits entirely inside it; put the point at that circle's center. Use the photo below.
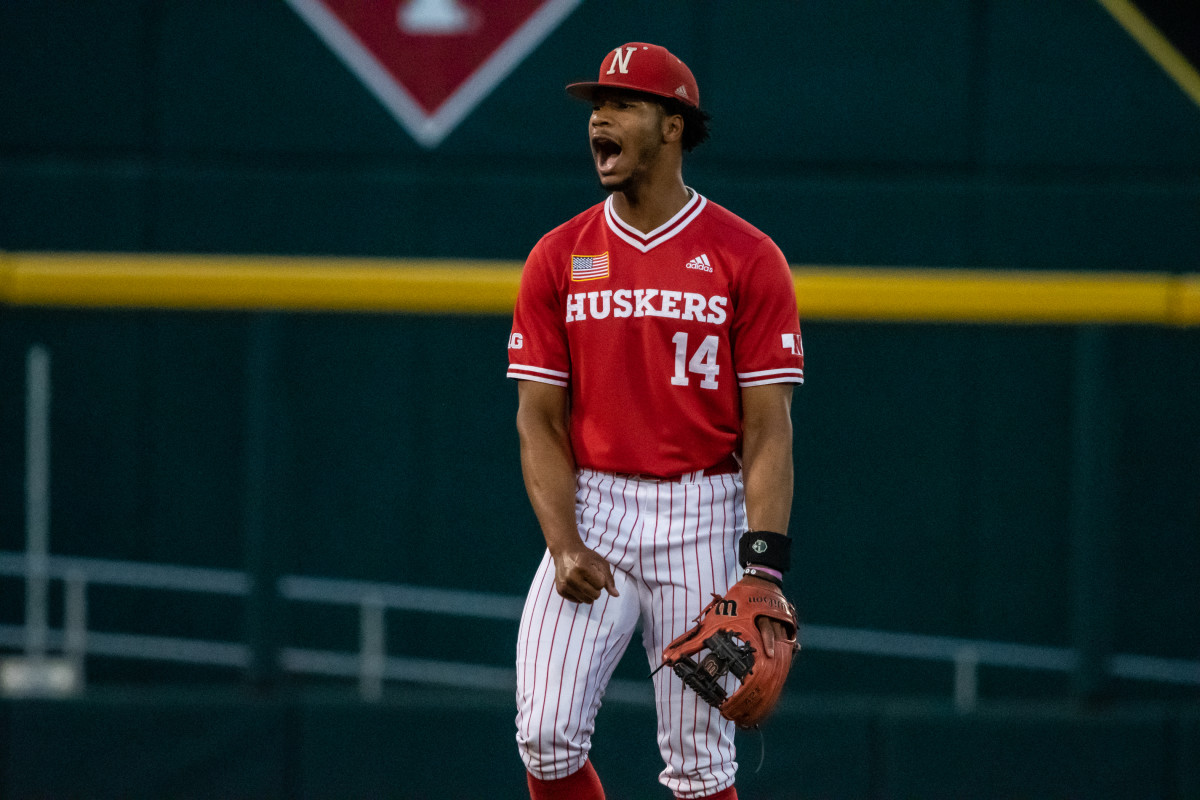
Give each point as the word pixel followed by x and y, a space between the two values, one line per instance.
pixel 619 62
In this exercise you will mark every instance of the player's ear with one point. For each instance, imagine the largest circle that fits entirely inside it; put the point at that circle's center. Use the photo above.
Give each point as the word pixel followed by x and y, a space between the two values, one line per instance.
pixel 672 127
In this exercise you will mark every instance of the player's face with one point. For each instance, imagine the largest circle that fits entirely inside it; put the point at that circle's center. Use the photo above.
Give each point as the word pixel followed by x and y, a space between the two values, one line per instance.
pixel 626 135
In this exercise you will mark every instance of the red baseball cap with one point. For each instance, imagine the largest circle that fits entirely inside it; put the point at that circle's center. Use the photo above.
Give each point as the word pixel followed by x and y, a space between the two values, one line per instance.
pixel 642 67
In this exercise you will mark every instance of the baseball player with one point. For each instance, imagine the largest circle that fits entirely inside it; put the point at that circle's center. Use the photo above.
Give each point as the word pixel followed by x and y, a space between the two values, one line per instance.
pixel 655 343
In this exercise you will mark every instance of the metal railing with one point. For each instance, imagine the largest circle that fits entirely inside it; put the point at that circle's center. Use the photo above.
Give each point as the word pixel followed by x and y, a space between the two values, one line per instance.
pixel 372 666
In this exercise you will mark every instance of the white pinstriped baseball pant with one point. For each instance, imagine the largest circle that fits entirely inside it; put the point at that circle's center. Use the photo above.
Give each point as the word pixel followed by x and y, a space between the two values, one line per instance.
pixel 671 546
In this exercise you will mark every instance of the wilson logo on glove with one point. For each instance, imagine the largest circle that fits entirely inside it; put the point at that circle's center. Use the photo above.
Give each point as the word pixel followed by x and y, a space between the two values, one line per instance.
pixel 726 608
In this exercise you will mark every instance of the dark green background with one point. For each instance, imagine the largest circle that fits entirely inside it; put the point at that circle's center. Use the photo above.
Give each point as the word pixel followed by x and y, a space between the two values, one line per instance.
pixel 1002 134
pixel 944 472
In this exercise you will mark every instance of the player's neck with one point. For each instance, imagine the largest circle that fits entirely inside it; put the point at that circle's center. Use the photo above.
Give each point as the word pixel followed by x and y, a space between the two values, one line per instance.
pixel 649 207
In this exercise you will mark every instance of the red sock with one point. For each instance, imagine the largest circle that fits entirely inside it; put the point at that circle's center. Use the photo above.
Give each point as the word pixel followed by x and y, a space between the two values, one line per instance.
pixel 728 793
pixel 583 784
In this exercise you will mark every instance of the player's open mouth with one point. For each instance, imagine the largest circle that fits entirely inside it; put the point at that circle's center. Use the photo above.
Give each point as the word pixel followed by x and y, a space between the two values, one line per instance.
pixel 606 152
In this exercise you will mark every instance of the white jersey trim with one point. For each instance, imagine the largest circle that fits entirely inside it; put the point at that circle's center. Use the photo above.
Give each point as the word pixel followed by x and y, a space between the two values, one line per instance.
pixel 520 376
pixel 765 372
pixel 766 376
pixel 746 384
pixel 531 368
pixel 528 372
pixel 645 242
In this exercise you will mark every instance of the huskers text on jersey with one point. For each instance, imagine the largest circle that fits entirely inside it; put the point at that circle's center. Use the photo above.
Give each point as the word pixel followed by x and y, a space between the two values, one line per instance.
pixel 666 303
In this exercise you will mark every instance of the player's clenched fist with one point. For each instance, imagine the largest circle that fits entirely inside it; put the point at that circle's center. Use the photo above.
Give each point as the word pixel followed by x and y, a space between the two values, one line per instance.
pixel 580 575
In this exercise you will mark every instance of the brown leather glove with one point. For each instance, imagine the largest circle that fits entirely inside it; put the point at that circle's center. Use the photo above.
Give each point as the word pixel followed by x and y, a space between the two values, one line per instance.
pixel 728 629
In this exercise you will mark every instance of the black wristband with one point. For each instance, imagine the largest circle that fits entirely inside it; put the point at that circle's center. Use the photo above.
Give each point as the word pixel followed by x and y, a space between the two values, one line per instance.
pixel 767 549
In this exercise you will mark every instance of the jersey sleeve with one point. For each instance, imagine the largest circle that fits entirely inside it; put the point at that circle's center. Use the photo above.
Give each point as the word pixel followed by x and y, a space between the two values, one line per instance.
pixel 537 347
pixel 767 347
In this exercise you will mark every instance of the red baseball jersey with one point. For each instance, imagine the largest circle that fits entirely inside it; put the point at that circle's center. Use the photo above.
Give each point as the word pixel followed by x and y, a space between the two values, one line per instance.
pixel 655 334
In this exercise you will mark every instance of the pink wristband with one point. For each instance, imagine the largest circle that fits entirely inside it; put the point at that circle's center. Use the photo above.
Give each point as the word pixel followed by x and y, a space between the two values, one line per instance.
pixel 774 573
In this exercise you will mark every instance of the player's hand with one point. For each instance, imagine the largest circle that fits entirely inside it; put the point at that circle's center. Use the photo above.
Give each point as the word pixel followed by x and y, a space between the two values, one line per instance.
pixel 580 575
pixel 772 630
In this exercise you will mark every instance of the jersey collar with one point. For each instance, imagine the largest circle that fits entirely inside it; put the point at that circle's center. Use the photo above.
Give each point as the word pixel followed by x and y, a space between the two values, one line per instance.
pixel 648 241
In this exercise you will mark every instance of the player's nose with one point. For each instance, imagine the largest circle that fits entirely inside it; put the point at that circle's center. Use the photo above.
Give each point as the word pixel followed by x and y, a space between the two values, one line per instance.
pixel 601 112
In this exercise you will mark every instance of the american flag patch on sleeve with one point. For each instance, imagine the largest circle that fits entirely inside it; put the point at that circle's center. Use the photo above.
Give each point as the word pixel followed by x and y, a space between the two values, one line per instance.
pixel 589 268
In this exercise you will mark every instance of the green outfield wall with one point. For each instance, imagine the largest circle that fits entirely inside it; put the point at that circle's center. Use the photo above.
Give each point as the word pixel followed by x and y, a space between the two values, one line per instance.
pixel 276 326
pixel 165 744
pixel 940 469
pixel 981 133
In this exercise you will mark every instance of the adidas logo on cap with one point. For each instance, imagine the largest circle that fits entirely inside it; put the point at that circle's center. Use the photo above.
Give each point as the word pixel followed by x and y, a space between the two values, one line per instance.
pixel 700 262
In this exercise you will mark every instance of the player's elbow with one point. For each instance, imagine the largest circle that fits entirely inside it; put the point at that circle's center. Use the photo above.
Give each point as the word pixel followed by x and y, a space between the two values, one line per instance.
pixel 767 415
pixel 541 412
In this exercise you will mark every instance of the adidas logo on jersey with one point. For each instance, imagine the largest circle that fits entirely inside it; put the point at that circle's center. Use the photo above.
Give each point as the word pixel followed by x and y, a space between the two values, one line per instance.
pixel 700 262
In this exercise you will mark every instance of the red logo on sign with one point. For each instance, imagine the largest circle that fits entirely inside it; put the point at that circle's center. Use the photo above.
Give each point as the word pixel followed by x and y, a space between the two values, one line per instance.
pixel 430 62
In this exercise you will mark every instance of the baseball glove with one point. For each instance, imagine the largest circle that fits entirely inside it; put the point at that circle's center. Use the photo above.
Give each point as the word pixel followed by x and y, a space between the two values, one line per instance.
pixel 728 629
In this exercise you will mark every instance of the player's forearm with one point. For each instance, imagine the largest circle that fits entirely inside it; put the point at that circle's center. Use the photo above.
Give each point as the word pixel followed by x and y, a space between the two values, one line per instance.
pixel 550 482
pixel 769 482
pixel 548 467
pixel 767 459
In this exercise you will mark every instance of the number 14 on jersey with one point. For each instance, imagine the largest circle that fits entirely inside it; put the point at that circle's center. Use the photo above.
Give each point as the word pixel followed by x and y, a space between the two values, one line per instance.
pixel 703 361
